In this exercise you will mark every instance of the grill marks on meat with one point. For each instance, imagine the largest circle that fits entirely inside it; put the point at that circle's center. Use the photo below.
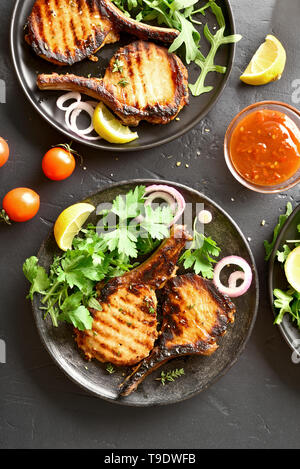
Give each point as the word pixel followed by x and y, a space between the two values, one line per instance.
pixel 161 266
pixel 195 314
pixel 141 30
pixel 68 31
pixel 124 328
pixel 156 84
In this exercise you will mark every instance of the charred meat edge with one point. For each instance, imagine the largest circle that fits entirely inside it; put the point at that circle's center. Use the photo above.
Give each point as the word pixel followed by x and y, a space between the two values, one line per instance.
pixel 162 354
pixel 41 48
pixel 131 26
pixel 130 115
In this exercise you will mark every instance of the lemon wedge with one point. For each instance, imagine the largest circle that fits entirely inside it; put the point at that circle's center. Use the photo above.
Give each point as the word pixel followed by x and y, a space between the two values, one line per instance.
pixel 69 223
pixel 292 268
pixel 267 64
pixel 110 128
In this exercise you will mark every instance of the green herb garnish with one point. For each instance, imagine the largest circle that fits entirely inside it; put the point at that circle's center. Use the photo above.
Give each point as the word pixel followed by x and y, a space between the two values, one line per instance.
pixel 199 255
pixel 68 290
pixel 110 369
pixel 181 15
pixel 123 82
pixel 281 221
pixel 118 66
pixel 170 375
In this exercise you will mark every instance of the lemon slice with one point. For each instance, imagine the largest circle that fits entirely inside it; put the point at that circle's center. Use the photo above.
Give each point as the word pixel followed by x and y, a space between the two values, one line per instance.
pixel 267 64
pixel 69 223
pixel 292 269
pixel 110 128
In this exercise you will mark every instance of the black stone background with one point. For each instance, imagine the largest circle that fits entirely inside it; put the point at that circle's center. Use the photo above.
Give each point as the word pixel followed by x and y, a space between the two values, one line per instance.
pixel 256 404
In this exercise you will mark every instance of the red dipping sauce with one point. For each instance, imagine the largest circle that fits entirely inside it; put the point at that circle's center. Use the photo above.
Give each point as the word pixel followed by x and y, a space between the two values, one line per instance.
pixel 265 147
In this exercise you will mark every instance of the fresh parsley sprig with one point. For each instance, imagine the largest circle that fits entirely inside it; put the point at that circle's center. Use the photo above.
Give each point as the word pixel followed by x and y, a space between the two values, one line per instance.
pixel 199 256
pixel 68 290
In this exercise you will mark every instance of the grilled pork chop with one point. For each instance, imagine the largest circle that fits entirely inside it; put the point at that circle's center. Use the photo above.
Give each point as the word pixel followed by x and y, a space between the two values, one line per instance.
pixel 125 326
pixel 195 314
pixel 142 82
pixel 141 30
pixel 68 31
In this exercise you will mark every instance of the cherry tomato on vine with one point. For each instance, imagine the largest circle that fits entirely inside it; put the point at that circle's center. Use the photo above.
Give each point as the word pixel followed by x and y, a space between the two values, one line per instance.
pixel 59 163
pixel 4 151
pixel 21 204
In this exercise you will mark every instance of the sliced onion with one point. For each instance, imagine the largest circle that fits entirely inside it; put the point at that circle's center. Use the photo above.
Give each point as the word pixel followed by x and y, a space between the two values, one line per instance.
pixel 72 114
pixel 234 277
pixel 172 192
pixel 205 217
pixel 232 290
pixel 67 97
pixel 75 114
pixel 164 196
pixel 73 111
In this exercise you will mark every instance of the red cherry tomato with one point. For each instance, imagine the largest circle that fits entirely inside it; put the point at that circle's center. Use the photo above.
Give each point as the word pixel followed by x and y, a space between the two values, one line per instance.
pixel 21 204
pixel 58 163
pixel 4 151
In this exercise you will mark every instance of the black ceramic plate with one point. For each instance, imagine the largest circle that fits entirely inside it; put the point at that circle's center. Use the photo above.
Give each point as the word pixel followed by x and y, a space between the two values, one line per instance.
pixel 277 279
pixel 27 64
pixel 200 372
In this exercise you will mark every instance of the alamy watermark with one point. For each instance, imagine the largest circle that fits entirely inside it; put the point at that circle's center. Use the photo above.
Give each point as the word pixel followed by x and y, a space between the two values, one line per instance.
pixel 136 221
pixel 296 353
pixel 296 92
pixel 2 351
pixel 2 92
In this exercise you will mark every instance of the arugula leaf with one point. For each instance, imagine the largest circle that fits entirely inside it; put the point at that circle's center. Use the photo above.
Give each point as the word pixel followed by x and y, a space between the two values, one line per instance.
pixel 282 302
pixel 281 221
pixel 36 275
pixel 180 14
pixel 282 255
pixel 207 64
pixel 189 36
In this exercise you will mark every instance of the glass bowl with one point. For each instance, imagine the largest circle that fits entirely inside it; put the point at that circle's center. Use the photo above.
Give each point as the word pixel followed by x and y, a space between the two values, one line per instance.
pixel 293 114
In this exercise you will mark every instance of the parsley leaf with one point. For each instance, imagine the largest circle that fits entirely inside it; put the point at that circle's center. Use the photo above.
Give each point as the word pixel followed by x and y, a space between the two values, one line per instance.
pixel 156 221
pixel 281 221
pixel 36 275
pixel 199 255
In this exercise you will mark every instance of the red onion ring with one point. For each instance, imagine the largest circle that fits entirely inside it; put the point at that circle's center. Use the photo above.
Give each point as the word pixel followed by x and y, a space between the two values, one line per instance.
pixel 164 196
pixel 174 193
pixel 234 277
pixel 232 290
pixel 66 97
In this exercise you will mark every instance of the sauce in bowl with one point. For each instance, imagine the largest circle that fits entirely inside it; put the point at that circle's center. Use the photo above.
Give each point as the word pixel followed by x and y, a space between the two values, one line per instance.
pixel 265 147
